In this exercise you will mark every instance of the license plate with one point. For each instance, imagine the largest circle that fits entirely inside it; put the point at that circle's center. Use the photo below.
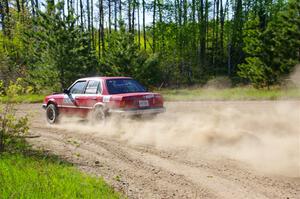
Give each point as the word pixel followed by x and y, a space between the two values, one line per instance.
pixel 143 103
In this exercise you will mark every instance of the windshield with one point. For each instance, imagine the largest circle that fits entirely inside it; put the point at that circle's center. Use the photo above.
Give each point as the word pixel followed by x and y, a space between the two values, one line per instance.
pixel 117 86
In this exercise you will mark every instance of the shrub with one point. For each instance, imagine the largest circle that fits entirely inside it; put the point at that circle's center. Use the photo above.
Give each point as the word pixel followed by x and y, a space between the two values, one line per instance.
pixel 256 71
pixel 12 128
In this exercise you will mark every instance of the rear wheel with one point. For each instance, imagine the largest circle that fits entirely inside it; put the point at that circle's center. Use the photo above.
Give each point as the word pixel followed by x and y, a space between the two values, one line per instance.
pixel 98 115
pixel 52 114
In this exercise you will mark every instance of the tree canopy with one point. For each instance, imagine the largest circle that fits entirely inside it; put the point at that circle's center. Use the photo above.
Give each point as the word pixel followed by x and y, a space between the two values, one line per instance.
pixel 160 43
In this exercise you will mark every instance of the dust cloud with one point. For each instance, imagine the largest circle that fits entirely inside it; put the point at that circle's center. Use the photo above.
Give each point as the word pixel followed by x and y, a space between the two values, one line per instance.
pixel 264 135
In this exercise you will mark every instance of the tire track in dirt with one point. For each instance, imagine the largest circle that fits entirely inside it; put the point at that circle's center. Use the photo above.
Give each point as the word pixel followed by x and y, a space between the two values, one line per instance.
pixel 135 178
pixel 144 171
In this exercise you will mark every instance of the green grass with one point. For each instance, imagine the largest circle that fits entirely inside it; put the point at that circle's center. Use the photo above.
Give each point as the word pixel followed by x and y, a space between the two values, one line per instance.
pixel 237 93
pixel 29 98
pixel 35 177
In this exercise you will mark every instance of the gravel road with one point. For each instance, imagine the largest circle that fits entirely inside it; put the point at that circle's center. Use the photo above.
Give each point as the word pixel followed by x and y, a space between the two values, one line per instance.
pixel 213 149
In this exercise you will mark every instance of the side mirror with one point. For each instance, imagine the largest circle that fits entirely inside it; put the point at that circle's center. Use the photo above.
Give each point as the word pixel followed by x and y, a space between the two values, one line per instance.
pixel 66 91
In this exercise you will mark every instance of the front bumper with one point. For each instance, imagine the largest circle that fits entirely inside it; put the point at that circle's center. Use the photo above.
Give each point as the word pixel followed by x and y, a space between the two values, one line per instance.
pixel 44 106
pixel 138 111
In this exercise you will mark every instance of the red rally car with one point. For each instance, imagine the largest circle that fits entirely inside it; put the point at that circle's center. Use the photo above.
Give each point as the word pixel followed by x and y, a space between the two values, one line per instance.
pixel 101 97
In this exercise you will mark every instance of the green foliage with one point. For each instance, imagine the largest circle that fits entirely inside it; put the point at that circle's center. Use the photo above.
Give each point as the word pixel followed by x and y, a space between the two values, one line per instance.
pixel 20 87
pixel 189 43
pixel 65 51
pixel 25 98
pixel 125 59
pixel 44 177
pixel 123 55
pixel 14 51
pixel 149 73
pixel 282 39
pixel 272 51
pixel 252 37
pixel 256 71
pixel 14 89
pixel 12 128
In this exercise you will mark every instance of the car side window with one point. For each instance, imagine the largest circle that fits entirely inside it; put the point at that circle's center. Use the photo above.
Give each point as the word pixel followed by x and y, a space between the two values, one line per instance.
pixel 92 87
pixel 78 87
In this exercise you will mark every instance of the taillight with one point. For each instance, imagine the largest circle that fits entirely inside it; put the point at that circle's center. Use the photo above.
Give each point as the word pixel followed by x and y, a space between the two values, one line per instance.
pixel 158 99
pixel 122 104
pixel 126 102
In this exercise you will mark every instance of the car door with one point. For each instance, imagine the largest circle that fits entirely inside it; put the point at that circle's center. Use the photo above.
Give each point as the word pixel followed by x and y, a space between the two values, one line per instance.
pixel 71 104
pixel 91 96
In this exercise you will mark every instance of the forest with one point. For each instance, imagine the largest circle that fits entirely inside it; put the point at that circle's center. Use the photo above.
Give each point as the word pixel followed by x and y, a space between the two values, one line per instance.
pixel 171 43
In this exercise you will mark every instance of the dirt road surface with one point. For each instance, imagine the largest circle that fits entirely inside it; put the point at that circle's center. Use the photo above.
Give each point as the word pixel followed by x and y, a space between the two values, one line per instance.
pixel 194 150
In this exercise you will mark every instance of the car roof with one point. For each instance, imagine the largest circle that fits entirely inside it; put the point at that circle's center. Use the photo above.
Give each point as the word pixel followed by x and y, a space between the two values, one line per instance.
pixel 104 78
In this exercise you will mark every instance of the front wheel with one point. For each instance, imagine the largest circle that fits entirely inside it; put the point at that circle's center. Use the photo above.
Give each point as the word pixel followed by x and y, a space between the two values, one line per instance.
pixel 52 114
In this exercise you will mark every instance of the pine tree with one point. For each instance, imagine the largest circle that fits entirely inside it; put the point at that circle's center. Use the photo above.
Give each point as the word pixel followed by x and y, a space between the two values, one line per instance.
pixel 272 51
pixel 282 39
pixel 64 48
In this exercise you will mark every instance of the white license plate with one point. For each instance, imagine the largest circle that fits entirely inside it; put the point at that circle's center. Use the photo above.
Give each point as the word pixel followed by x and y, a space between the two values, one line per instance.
pixel 143 103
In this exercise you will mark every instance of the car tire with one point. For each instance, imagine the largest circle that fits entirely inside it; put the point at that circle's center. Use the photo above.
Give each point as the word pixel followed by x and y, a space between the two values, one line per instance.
pixel 52 114
pixel 99 115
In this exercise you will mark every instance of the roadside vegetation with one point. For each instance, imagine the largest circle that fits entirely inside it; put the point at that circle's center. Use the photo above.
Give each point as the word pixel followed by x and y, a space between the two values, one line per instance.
pixel 237 93
pixel 26 98
pixel 28 173
pixel 194 94
pixel 24 175
pixel 50 44
pixel 183 94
